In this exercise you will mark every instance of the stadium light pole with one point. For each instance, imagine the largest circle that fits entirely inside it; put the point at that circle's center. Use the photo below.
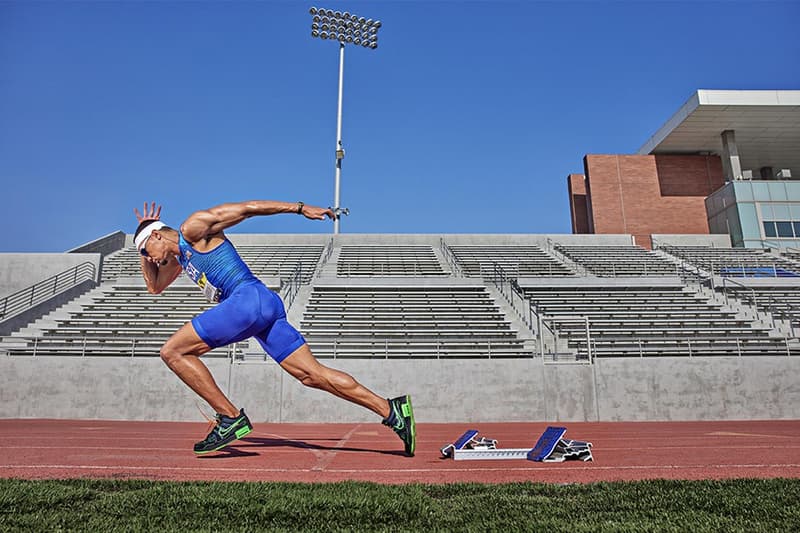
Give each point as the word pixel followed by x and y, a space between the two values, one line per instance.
pixel 344 28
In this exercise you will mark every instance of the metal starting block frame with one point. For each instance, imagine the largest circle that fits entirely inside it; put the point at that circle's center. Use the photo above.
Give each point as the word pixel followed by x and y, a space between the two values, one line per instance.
pixel 551 447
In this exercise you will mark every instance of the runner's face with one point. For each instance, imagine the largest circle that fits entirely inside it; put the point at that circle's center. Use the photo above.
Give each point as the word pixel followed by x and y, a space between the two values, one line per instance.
pixel 155 249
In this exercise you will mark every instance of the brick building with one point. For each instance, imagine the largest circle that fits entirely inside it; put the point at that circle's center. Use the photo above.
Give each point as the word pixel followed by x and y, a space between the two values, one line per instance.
pixel 717 138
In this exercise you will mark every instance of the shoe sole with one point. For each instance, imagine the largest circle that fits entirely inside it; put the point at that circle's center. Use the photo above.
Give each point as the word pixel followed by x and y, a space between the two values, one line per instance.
pixel 238 434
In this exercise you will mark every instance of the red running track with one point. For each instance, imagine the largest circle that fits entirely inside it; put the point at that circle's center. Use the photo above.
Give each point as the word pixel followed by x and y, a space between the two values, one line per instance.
pixel 57 449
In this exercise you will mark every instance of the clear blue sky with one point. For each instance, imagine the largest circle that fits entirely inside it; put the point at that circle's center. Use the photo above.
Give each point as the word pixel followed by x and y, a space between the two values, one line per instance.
pixel 466 119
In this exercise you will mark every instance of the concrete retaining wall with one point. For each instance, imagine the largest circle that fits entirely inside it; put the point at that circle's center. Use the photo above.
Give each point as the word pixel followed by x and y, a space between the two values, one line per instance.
pixel 20 271
pixel 104 245
pixel 442 390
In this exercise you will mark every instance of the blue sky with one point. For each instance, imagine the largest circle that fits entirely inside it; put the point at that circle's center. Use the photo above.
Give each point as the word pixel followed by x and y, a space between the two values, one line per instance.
pixel 466 119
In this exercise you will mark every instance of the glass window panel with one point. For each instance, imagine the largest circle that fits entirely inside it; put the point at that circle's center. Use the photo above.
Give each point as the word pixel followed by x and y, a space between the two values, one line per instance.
pixel 784 229
pixel 794 209
pixel 766 211
pixel 769 229
pixel 796 228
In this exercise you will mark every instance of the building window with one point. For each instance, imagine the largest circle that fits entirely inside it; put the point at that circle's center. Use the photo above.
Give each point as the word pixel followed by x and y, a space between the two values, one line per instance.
pixel 779 221
pixel 784 229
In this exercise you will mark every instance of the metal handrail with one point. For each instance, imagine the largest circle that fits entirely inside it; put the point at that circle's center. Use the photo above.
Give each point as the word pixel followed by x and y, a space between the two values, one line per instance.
pixel 27 298
pixel 554 249
pixel 582 319
pixel 294 283
pixel 500 278
pixel 131 346
pixel 644 344
pixel 726 281
pixel 326 255
pixel 773 307
pixel 381 346
pixel 450 257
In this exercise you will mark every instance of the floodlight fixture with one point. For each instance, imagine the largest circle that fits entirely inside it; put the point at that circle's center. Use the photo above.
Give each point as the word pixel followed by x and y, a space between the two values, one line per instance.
pixel 344 28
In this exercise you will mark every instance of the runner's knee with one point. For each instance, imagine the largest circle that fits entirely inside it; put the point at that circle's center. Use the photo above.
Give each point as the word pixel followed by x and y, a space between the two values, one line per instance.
pixel 168 354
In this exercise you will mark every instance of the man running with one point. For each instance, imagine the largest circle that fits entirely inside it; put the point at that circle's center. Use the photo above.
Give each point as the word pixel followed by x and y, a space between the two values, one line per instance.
pixel 245 308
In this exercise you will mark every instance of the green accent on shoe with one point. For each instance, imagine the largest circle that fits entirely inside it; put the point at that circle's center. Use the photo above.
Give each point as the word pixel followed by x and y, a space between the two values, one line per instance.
pixel 404 424
pixel 220 437
pixel 223 432
pixel 214 450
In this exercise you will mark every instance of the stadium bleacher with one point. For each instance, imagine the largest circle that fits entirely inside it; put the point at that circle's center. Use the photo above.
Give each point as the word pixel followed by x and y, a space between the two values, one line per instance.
pixel 736 262
pixel 614 261
pixel 388 260
pixel 408 298
pixel 657 319
pixel 518 261
pixel 408 321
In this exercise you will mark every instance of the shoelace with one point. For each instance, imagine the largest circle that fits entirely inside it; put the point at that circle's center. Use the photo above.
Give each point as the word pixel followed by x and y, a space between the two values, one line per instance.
pixel 212 422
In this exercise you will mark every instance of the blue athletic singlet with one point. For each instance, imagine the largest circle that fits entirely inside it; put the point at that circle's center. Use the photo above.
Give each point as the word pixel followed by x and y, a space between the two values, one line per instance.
pixel 246 307
pixel 217 272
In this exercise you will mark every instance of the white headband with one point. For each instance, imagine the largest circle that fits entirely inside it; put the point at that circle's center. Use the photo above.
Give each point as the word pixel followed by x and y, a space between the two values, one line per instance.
pixel 140 239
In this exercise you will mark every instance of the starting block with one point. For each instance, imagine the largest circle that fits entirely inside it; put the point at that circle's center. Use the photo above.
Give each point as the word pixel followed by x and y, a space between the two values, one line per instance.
pixel 551 447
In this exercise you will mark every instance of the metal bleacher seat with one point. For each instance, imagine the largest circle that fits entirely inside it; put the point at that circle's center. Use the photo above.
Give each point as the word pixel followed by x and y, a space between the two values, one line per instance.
pixel 736 262
pixel 388 261
pixel 408 322
pixel 515 261
pixel 618 261
pixel 118 320
pixel 278 261
pixel 657 320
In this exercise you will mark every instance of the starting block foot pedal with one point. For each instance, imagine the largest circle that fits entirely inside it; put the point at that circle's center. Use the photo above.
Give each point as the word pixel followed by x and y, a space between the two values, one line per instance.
pixel 449 449
pixel 551 447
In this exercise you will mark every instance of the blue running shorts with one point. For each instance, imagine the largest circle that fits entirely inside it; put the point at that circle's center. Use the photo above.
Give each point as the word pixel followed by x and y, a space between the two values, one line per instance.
pixel 251 311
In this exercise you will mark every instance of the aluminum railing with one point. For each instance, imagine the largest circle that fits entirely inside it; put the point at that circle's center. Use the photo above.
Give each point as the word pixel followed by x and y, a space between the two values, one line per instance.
pixel 23 300
pixel 87 346
pixel 294 282
pixel 370 348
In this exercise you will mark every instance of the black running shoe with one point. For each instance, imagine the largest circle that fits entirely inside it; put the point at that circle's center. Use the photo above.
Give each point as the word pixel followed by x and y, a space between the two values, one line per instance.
pixel 226 431
pixel 401 420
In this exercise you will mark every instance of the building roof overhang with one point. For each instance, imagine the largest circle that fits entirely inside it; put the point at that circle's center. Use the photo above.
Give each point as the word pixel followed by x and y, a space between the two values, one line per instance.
pixel 766 125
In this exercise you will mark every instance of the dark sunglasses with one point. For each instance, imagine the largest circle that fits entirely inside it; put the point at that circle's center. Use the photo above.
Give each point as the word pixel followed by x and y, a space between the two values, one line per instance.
pixel 143 249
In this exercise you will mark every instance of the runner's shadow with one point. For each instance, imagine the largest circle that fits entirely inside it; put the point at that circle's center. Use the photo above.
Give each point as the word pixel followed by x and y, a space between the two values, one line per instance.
pixel 227 452
pixel 262 442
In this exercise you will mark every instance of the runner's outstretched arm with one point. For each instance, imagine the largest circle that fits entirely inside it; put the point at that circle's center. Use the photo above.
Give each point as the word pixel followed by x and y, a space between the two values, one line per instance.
pixel 207 222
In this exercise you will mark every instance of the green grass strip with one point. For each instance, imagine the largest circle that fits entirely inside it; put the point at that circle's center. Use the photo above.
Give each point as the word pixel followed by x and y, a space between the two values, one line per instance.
pixel 132 505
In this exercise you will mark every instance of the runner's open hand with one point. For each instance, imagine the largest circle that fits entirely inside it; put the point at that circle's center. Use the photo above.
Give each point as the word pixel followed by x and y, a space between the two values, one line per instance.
pixel 317 213
pixel 148 213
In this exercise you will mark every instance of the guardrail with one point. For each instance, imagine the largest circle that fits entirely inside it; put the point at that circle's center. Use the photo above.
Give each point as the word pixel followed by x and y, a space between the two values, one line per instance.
pixel 294 286
pixel 452 260
pixel 86 346
pixel 511 291
pixel 763 302
pixel 21 301
pixel 371 348
pixel 326 256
